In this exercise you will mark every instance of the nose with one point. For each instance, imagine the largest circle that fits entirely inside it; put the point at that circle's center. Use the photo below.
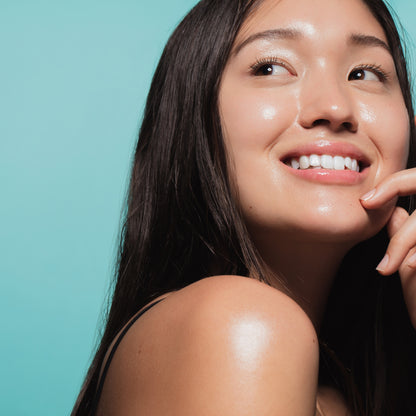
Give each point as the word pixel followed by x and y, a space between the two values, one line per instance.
pixel 328 102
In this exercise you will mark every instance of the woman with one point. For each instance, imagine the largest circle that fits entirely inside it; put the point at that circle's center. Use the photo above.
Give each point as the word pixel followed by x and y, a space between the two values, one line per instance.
pixel 274 145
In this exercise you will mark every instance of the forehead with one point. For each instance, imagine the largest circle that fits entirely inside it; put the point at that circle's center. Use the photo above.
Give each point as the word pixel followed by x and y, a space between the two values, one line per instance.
pixel 332 19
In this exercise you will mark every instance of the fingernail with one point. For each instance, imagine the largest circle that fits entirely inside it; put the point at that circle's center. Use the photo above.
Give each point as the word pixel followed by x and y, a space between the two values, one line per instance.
pixel 368 195
pixel 383 264
pixel 412 260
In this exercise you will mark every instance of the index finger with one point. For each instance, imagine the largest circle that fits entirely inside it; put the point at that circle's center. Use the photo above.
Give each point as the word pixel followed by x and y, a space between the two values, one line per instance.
pixel 400 183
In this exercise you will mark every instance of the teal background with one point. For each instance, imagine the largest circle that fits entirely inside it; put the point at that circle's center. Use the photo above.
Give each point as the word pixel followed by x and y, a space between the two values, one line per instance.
pixel 73 80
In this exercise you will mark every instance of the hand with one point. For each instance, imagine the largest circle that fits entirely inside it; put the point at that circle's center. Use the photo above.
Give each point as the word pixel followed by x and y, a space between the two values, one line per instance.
pixel 401 252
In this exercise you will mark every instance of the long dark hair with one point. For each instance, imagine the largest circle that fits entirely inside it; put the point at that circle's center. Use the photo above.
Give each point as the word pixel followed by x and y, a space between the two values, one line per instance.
pixel 182 223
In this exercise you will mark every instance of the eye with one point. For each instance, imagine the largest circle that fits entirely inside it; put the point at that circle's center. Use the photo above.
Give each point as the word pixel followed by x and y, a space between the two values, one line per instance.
pixel 270 67
pixel 367 73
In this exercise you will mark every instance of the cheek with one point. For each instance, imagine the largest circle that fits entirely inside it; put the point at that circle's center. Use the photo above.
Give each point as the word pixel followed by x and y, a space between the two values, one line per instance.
pixel 387 125
pixel 254 119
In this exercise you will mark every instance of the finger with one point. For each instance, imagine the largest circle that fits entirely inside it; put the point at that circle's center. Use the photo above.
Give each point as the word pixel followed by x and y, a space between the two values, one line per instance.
pixel 398 184
pixel 401 243
pixel 407 268
pixel 396 221
pixel 408 280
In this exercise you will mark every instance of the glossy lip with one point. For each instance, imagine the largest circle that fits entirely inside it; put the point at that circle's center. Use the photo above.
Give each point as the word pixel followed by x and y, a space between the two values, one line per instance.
pixel 325 147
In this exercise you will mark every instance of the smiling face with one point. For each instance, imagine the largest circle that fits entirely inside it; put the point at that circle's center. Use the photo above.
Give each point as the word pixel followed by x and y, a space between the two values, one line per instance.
pixel 313 118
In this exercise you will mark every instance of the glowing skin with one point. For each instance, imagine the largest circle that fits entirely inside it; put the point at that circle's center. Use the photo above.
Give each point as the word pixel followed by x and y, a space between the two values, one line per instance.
pixel 249 338
pixel 301 86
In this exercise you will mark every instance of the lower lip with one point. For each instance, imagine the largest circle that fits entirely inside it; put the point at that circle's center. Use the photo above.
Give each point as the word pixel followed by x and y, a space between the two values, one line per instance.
pixel 335 177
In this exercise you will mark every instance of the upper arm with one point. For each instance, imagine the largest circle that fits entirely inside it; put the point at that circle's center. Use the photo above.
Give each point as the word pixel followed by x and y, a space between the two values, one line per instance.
pixel 222 346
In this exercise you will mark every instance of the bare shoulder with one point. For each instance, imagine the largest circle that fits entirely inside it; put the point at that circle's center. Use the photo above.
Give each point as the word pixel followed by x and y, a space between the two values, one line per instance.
pixel 223 345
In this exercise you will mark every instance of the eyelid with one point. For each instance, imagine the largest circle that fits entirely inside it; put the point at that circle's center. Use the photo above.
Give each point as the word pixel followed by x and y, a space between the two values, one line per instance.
pixel 271 60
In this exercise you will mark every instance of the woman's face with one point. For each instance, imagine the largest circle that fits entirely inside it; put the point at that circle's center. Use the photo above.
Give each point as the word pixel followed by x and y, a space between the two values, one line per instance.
pixel 312 83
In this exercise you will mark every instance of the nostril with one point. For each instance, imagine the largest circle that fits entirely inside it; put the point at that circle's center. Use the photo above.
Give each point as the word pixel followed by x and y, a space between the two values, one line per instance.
pixel 348 126
pixel 320 122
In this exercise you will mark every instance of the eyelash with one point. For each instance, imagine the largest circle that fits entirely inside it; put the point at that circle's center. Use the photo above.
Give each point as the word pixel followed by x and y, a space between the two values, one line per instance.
pixel 377 69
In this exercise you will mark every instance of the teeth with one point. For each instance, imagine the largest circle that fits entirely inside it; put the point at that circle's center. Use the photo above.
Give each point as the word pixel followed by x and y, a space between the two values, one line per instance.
pixel 315 160
pixel 325 162
pixel 348 163
pixel 304 162
pixel 339 163
pixel 295 164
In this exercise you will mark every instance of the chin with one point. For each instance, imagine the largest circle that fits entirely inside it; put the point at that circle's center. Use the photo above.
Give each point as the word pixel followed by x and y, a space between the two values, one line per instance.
pixel 346 224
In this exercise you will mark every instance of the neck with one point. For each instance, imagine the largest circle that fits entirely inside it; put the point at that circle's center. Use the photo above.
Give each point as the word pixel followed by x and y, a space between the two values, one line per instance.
pixel 305 271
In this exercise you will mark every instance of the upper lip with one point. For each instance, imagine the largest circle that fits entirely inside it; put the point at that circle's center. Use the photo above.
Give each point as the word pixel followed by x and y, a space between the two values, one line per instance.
pixel 327 147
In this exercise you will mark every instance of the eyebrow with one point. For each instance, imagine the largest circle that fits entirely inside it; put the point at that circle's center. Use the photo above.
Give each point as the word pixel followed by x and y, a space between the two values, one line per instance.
pixel 359 39
pixel 355 39
pixel 269 35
